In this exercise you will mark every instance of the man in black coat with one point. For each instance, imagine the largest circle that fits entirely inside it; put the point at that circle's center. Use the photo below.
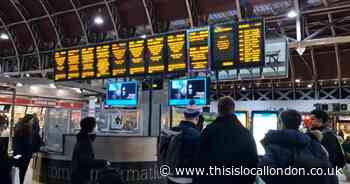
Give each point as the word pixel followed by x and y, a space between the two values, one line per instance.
pixel 83 160
pixel 226 144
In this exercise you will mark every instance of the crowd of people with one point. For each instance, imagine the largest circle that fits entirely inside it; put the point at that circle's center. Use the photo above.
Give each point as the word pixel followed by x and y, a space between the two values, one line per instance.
pixel 226 143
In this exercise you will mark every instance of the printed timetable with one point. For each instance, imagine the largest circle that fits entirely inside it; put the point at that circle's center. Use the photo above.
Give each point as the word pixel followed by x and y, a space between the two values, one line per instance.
pixel 60 65
pixel 118 62
pixel 155 55
pixel 251 43
pixel 176 43
pixel 198 49
pixel 224 49
pixel 73 57
pixel 137 62
pixel 87 63
pixel 102 61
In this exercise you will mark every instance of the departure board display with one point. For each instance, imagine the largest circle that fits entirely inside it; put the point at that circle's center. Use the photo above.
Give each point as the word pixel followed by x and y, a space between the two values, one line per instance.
pixel 137 62
pixel 102 61
pixel 155 55
pixel 176 43
pixel 87 63
pixel 118 64
pixel 198 49
pixel 60 65
pixel 251 43
pixel 73 58
pixel 224 47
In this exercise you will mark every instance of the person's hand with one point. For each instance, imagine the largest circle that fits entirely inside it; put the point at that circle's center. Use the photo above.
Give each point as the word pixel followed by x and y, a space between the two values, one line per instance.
pixel 108 164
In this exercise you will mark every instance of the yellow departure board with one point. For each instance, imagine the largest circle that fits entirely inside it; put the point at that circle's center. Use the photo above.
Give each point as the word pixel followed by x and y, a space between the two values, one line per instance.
pixel 155 55
pixel 87 63
pixel 137 63
pixel 224 47
pixel 73 58
pixel 60 65
pixel 176 43
pixel 251 43
pixel 102 61
pixel 198 49
pixel 118 63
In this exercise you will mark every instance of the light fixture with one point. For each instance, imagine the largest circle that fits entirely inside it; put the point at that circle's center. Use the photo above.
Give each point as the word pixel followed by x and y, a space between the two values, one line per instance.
pixel 27 75
pixel 77 90
pixel 243 88
pixel 4 36
pixel 297 80
pixel 34 89
pixel 7 76
pixel 19 84
pixel 98 20
pixel 309 85
pixel 292 14
pixel 52 85
pixel 143 36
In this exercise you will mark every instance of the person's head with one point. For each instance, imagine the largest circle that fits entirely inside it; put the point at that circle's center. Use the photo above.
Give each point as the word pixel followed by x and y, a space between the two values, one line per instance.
pixel 226 106
pixel 319 119
pixel 290 119
pixel 88 124
pixel 3 123
pixel 192 114
pixel 24 126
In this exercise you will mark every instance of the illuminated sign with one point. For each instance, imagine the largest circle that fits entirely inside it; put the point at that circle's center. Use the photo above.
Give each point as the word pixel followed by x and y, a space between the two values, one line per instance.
pixel 102 61
pixel 137 62
pixel 251 43
pixel 73 71
pixel 118 64
pixel 155 55
pixel 224 47
pixel 60 65
pixel 87 63
pixel 176 52
pixel 198 49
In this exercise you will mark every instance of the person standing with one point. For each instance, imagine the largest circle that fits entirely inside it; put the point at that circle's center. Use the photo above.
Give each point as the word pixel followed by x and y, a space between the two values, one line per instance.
pixel 5 164
pixel 226 143
pixel 321 121
pixel 83 159
pixel 23 144
pixel 288 148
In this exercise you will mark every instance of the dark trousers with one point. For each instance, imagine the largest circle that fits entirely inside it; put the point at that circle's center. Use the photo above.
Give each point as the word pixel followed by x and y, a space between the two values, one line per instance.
pixel 23 166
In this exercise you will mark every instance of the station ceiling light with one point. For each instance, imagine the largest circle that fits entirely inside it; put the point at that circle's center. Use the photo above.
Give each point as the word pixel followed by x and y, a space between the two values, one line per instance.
pixel 27 75
pixel 292 14
pixel 297 80
pixel 309 85
pixel 98 20
pixel 77 90
pixel 52 85
pixel 243 88
pixel 143 36
pixel 4 36
pixel 19 84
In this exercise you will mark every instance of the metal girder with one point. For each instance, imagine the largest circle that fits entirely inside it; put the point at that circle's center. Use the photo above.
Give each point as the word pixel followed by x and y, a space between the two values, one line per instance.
pixel 320 42
pixel 113 20
pixel 190 16
pixel 36 47
pixel 58 38
pixel 238 9
pixel 80 21
pixel 298 21
pixel 13 44
pixel 145 5
pixel 314 69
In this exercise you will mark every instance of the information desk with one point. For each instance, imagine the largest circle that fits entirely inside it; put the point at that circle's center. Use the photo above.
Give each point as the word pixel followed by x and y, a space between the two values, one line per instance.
pixel 134 157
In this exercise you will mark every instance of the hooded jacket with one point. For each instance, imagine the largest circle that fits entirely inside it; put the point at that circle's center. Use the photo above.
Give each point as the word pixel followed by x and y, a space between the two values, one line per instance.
pixel 279 146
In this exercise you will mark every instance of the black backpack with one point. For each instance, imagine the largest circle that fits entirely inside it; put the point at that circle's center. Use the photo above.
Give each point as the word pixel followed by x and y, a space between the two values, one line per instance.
pixel 304 158
pixel 109 176
pixel 170 148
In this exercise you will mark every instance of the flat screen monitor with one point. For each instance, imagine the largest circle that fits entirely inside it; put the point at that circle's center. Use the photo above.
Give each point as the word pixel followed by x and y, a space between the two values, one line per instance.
pixel 183 91
pixel 263 121
pixel 242 116
pixel 122 94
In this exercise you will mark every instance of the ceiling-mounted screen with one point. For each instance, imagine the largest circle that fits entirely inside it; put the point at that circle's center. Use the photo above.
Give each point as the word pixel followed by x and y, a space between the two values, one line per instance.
pixel 224 46
pixel 122 94
pixel 183 91
pixel 60 67
pixel 198 46
pixel 73 62
pixel 263 121
pixel 102 61
pixel 242 116
pixel 176 43
pixel 87 63
pixel 136 53
pixel 154 55
pixel 119 59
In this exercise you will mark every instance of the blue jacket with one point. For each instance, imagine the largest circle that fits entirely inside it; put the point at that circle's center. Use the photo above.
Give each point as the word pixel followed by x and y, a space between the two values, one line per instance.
pixel 191 142
pixel 279 146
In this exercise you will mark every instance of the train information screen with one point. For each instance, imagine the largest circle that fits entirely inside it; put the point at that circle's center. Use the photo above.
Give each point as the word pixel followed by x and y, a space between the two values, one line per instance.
pixel 87 63
pixel 176 43
pixel 198 49
pixel 102 61
pixel 118 63
pixel 155 55
pixel 137 62
pixel 224 47
pixel 251 43
pixel 73 58
pixel 60 65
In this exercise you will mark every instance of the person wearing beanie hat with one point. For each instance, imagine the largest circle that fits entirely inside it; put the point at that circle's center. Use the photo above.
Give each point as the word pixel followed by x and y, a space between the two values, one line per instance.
pixel 321 121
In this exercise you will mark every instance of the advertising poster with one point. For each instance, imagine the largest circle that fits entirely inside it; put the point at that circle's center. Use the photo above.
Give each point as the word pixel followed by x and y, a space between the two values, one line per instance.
pixel 124 120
